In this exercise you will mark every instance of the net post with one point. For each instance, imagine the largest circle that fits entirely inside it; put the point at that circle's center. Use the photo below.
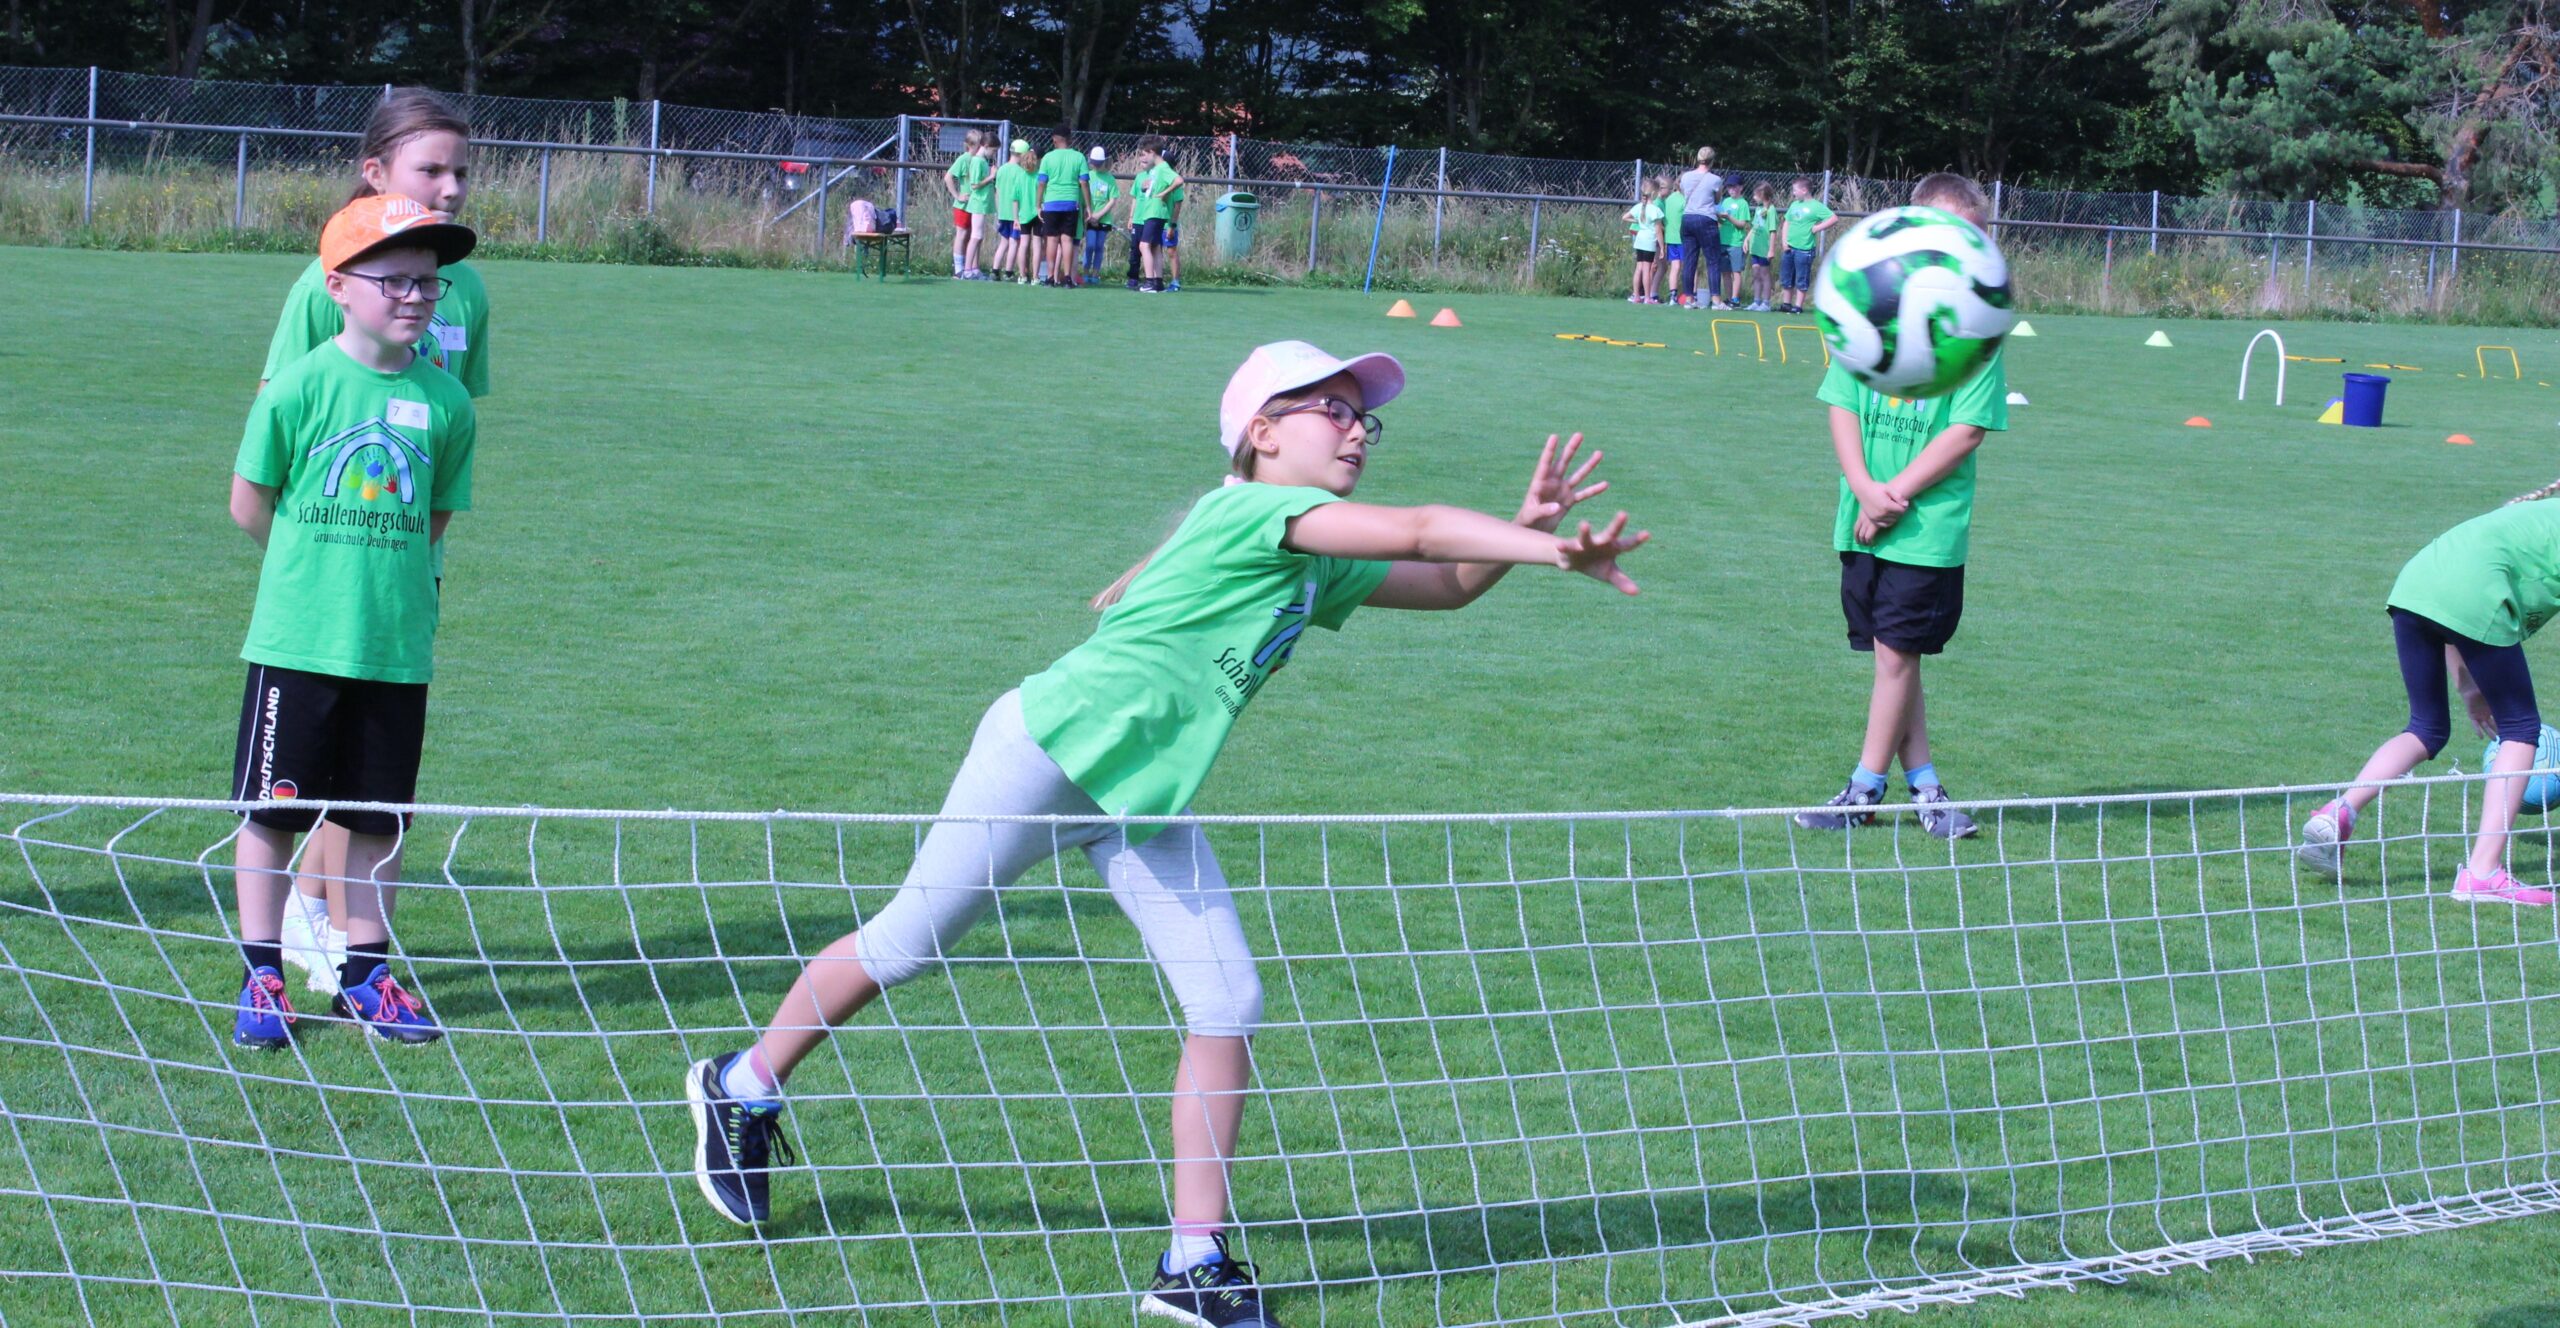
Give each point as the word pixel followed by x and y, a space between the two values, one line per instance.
pixel 89 155
pixel 542 199
pixel 1533 236
pixel 1315 218
pixel 2453 264
pixel 2155 221
pixel 824 170
pixel 2310 227
pixel 240 185
pixel 649 200
pixel 1438 200
pixel 905 133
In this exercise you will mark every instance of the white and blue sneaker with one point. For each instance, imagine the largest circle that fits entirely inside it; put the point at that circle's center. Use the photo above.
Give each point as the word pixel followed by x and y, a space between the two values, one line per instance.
pixel 735 1143
pixel 1852 801
pixel 265 1020
pixel 1218 1293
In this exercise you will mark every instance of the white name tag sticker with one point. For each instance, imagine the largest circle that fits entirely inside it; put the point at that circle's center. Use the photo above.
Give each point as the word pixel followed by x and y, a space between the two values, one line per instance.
pixel 453 337
pixel 406 414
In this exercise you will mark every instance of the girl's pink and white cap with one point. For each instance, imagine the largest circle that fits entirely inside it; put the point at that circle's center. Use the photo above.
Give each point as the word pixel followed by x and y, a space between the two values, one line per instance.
pixel 1286 366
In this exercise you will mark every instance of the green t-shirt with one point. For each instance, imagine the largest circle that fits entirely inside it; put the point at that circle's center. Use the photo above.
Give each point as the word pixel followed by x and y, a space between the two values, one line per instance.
pixel 1647 225
pixel 2495 578
pixel 1137 714
pixel 1731 213
pixel 1062 173
pixel 1891 432
pixel 1105 190
pixel 1764 231
pixel 361 460
pixel 1148 199
pixel 1802 216
pixel 1016 196
pixel 970 174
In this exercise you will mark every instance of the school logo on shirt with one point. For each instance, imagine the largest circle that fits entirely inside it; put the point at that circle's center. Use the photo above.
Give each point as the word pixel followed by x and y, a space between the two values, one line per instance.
pixel 1246 674
pixel 380 468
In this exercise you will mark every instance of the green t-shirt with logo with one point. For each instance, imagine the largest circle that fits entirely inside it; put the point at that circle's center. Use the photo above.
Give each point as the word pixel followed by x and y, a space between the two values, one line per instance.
pixel 1731 213
pixel 1016 197
pixel 1148 193
pixel 1802 216
pixel 1136 715
pixel 457 339
pixel 1764 231
pixel 361 460
pixel 1062 173
pixel 969 174
pixel 1935 530
pixel 2495 578
pixel 1105 191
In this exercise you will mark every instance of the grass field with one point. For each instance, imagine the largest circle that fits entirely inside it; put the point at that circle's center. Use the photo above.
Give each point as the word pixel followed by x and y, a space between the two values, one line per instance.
pixel 752 539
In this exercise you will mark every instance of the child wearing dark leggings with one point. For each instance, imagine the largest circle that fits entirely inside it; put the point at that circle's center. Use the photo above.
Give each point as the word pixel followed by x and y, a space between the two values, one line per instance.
pixel 2461 611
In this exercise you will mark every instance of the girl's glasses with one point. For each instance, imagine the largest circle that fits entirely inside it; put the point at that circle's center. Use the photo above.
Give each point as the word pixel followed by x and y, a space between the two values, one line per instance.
pixel 395 287
pixel 1342 413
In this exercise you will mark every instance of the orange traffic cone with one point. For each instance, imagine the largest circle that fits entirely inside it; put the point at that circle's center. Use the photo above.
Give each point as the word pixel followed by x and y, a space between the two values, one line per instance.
pixel 1401 309
pixel 1446 318
pixel 2460 440
pixel 2198 422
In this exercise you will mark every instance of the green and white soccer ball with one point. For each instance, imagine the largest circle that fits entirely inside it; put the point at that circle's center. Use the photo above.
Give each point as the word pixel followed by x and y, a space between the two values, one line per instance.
pixel 1914 301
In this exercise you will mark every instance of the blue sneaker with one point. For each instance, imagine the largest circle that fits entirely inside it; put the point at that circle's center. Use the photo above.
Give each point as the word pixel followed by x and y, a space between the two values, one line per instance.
pixel 266 1017
pixel 1217 1294
pixel 381 1008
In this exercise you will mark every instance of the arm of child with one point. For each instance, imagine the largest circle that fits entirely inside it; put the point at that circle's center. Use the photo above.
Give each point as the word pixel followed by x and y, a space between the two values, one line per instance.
pixel 253 508
pixel 1437 534
pixel 1943 454
pixel 2484 721
pixel 1555 486
pixel 1876 503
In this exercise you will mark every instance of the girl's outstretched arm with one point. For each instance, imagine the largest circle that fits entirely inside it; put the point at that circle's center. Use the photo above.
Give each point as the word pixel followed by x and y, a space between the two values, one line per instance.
pixel 1437 534
pixel 1555 486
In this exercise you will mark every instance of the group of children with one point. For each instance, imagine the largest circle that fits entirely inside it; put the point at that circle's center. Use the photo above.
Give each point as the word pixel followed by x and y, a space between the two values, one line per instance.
pixel 1050 213
pixel 1756 235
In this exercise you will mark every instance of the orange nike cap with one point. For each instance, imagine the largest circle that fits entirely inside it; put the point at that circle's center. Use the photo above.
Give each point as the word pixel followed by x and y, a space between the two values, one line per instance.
pixel 383 221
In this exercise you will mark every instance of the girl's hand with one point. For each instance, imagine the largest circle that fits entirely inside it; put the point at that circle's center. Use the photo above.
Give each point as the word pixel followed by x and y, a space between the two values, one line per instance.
pixel 2481 719
pixel 1596 555
pixel 1868 531
pixel 1552 492
pixel 1880 505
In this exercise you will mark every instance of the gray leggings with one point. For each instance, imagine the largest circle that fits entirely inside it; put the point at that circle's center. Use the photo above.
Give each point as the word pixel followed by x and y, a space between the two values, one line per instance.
pixel 1170 886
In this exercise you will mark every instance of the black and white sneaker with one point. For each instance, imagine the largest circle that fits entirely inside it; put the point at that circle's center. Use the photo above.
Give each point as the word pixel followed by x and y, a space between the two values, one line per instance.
pixel 735 1144
pixel 1216 1294
pixel 1853 799
pixel 1943 821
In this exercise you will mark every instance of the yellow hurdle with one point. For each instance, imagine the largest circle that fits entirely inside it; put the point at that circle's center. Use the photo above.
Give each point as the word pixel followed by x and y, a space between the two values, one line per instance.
pixel 1785 328
pixel 2480 359
pixel 1715 334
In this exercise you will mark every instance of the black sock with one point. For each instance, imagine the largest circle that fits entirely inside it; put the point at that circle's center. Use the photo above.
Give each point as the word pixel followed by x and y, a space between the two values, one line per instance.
pixel 261 954
pixel 361 960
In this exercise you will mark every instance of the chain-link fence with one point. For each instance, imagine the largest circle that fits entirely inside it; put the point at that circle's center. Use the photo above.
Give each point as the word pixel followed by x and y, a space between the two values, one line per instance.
pixel 137 157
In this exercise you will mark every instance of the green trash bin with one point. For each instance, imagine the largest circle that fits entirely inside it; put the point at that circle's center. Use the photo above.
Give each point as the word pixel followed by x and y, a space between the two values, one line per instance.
pixel 1235 226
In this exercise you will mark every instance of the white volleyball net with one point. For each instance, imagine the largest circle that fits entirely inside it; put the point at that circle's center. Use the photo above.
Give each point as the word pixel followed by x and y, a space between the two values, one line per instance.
pixel 1663 1069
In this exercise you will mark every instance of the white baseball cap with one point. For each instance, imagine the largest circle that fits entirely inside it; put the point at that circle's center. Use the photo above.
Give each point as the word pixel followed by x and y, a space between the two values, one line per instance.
pixel 1286 366
pixel 1098 154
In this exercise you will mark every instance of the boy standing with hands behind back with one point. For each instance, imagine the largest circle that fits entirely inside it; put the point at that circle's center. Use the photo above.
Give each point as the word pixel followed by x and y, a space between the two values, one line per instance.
pixel 1902 526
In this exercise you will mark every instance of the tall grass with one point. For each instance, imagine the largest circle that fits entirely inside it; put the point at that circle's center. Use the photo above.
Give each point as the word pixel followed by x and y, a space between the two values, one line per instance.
pixel 601 208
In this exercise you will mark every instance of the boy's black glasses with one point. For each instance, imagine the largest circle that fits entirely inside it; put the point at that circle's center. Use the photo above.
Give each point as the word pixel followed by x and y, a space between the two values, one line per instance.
pixel 396 287
pixel 1341 413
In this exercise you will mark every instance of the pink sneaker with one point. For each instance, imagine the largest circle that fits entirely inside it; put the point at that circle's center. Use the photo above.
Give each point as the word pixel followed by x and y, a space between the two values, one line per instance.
pixel 2328 827
pixel 2499 887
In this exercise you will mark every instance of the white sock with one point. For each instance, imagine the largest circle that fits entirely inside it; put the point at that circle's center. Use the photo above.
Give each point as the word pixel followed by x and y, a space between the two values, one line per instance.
pixel 1187 1250
pixel 742 1082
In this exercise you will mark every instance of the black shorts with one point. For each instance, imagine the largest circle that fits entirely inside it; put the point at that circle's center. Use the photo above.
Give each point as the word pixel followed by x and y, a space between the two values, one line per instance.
pixel 1150 231
pixel 1061 224
pixel 1911 608
pixel 314 736
pixel 1644 257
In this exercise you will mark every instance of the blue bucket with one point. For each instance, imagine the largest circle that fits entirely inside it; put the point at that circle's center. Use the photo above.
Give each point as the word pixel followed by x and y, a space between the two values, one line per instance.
pixel 2363 403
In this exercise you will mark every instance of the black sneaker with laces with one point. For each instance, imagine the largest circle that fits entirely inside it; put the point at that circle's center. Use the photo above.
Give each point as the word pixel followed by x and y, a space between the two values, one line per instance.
pixel 1852 797
pixel 1943 821
pixel 1217 1294
pixel 735 1144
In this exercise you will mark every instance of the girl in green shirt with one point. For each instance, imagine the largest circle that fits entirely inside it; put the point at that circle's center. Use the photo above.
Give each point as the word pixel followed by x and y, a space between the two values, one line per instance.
pixel 2463 608
pixel 1125 727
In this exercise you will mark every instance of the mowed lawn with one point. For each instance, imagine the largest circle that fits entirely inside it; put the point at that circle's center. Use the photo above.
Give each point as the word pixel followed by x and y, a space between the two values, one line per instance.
pixel 755 540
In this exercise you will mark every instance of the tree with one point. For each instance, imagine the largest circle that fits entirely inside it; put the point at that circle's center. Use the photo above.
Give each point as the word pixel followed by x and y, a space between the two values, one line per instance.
pixel 488 31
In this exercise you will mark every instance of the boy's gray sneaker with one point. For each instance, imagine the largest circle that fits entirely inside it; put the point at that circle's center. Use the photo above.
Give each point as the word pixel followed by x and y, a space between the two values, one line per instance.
pixel 1853 800
pixel 1942 821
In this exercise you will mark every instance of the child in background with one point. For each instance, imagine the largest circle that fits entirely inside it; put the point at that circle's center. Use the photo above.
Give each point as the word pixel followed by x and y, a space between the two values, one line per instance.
pixel 2464 606
pixel 415 145
pixel 1807 218
pixel 1128 725
pixel 1097 224
pixel 1644 225
pixel 1669 214
pixel 1902 527
pixel 1762 242
pixel 1173 233
pixel 1064 201
pixel 968 207
pixel 1733 229
pixel 1016 205
pixel 1151 215
pixel 354 458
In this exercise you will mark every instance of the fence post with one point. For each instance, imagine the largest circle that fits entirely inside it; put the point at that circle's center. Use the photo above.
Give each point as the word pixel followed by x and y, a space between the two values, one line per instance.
pixel 1234 171
pixel 2310 227
pixel 1639 193
pixel 1995 208
pixel 1315 218
pixel 904 132
pixel 89 160
pixel 2107 269
pixel 240 186
pixel 1386 183
pixel 542 200
pixel 650 202
pixel 1437 201
pixel 2155 221
pixel 1533 235
pixel 824 170
pixel 1826 185
pixel 2453 264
